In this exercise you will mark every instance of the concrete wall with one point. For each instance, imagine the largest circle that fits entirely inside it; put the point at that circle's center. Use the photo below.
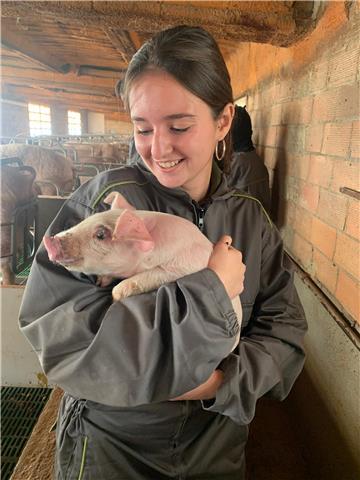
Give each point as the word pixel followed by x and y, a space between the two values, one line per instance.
pixel 325 401
pixel 19 364
pixel 117 127
pixel 59 120
pixel 96 122
pixel 14 119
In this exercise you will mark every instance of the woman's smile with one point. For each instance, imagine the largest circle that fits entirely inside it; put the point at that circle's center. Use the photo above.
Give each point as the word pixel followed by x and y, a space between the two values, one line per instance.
pixel 175 132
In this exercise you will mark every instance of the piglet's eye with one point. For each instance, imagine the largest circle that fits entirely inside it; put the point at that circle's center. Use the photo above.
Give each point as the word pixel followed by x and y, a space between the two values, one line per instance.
pixel 102 233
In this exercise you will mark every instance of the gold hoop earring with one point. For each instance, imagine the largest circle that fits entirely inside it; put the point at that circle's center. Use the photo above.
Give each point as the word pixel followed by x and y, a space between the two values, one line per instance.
pixel 223 150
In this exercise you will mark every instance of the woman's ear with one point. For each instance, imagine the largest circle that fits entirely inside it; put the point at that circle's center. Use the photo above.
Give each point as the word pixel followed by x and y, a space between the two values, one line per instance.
pixel 224 121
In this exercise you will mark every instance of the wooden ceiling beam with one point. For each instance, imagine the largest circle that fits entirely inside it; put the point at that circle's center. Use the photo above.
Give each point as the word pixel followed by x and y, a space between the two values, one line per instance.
pixel 58 86
pixel 24 46
pixel 122 42
pixel 93 71
pixel 279 23
pixel 11 74
pixel 27 92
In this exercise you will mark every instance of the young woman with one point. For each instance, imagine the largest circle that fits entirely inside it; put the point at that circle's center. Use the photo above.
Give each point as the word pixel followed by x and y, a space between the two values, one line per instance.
pixel 148 392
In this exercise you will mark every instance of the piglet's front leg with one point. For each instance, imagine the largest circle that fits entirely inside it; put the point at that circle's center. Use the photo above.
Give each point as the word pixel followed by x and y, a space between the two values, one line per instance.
pixel 142 282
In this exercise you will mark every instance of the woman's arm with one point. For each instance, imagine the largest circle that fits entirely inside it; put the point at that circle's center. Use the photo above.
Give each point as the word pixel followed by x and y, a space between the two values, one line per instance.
pixel 270 355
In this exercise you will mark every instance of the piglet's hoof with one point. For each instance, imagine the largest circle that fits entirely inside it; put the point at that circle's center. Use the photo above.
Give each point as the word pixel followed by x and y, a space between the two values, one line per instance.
pixel 125 289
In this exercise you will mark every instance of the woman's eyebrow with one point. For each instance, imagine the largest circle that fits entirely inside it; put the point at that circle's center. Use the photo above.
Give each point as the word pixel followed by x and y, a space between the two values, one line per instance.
pixel 174 116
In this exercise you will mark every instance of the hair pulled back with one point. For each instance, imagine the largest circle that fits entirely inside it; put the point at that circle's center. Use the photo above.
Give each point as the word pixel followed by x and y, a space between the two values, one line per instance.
pixel 193 58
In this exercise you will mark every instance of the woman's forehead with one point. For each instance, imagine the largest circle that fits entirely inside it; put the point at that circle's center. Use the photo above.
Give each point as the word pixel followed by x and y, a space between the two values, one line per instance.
pixel 158 93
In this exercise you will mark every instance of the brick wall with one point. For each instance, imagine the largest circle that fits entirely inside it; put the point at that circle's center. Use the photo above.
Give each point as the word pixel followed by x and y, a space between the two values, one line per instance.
pixel 306 128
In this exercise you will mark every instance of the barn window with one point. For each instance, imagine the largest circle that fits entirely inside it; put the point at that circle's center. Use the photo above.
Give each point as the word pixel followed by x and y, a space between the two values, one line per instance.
pixel 74 123
pixel 39 119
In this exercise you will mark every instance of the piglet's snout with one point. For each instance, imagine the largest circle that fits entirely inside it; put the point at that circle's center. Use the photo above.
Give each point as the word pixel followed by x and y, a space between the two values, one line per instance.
pixel 53 247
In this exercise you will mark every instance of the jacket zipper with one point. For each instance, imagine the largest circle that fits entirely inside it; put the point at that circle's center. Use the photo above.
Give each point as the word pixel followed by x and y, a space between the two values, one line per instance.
pixel 199 215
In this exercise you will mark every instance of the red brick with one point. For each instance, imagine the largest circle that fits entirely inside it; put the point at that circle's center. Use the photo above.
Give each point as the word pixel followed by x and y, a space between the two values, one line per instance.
pixel 291 138
pixel 355 140
pixel 336 104
pixel 290 209
pixel 302 251
pixel 320 170
pixel 275 115
pixel 343 65
pixel 287 235
pixel 269 95
pixel 325 271
pixel 347 254
pixel 271 177
pixel 255 99
pixel 348 294
pixel 298 165
pixel 345 174
pixel 314 138
pixel 268 136
pixel 332 208
pixel 318 76
pixel 303 222
pixel 323 237
pixel 255 136
pixel 352 226
pixel 269 156
pixel 250 103
pixel 297 111
pixel 290 187
pixel 309 196
pixel 337 139
pixel 286 89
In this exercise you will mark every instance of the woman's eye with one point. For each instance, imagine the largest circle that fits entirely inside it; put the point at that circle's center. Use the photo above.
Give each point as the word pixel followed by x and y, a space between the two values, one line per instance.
pixel 179 130
pixel 143 132
pixel 102 233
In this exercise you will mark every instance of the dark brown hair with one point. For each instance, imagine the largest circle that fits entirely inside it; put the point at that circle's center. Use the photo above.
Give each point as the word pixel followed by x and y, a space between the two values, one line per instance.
pixel 193 58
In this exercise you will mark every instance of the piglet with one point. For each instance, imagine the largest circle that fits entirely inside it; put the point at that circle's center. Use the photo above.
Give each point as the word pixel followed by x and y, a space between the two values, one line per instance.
pixel 146 248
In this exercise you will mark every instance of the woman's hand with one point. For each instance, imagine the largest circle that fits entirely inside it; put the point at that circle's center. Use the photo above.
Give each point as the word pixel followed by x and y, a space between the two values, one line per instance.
pixel 206 390
pixel 227 263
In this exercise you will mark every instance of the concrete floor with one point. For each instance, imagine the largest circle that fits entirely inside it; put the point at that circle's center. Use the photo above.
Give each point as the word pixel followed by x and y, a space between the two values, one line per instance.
pixel 273 450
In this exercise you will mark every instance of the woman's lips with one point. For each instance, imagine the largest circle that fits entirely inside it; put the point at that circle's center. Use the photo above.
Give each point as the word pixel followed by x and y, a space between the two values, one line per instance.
pixel 169 164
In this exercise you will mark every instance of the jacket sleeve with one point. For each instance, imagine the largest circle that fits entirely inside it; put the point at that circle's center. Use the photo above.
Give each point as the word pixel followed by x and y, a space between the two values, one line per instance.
pixel 270 354
pixel 148 348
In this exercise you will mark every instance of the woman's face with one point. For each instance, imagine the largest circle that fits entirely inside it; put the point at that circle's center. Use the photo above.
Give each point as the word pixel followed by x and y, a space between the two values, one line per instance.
pixel 175 132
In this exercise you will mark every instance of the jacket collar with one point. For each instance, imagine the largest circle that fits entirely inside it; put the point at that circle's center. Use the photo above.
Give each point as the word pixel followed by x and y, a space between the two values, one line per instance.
pixel 218 186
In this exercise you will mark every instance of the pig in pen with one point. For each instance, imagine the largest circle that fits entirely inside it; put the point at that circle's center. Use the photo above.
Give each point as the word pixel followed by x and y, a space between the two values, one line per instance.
pixel 18 219
pixel 55 173
pixel 89 159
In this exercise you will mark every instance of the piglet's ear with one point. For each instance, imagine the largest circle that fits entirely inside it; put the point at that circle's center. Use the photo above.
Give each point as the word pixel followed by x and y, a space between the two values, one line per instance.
pixel 129 227
pixel 116 200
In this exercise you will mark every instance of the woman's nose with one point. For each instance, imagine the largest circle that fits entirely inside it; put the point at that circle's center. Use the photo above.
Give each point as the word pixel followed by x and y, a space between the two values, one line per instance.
pixel 161 145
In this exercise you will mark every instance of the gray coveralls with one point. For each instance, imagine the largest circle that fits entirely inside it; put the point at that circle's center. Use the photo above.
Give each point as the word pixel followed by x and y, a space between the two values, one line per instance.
pixel 121 362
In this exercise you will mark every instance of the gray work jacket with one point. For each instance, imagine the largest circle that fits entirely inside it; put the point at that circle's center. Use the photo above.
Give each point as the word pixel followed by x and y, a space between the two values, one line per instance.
pixel 158 345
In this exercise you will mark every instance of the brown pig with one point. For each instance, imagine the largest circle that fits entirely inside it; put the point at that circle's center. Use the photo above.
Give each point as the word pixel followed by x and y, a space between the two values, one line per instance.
pixel 50 166
pixel 17 188
pixel 98 153
pixel 146 248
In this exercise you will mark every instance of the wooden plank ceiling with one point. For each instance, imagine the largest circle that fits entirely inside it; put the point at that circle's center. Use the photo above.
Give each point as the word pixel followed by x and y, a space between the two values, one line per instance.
pixel 73 53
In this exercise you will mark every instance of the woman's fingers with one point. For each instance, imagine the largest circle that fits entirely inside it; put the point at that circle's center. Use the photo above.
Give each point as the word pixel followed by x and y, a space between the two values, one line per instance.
pixel 226 262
